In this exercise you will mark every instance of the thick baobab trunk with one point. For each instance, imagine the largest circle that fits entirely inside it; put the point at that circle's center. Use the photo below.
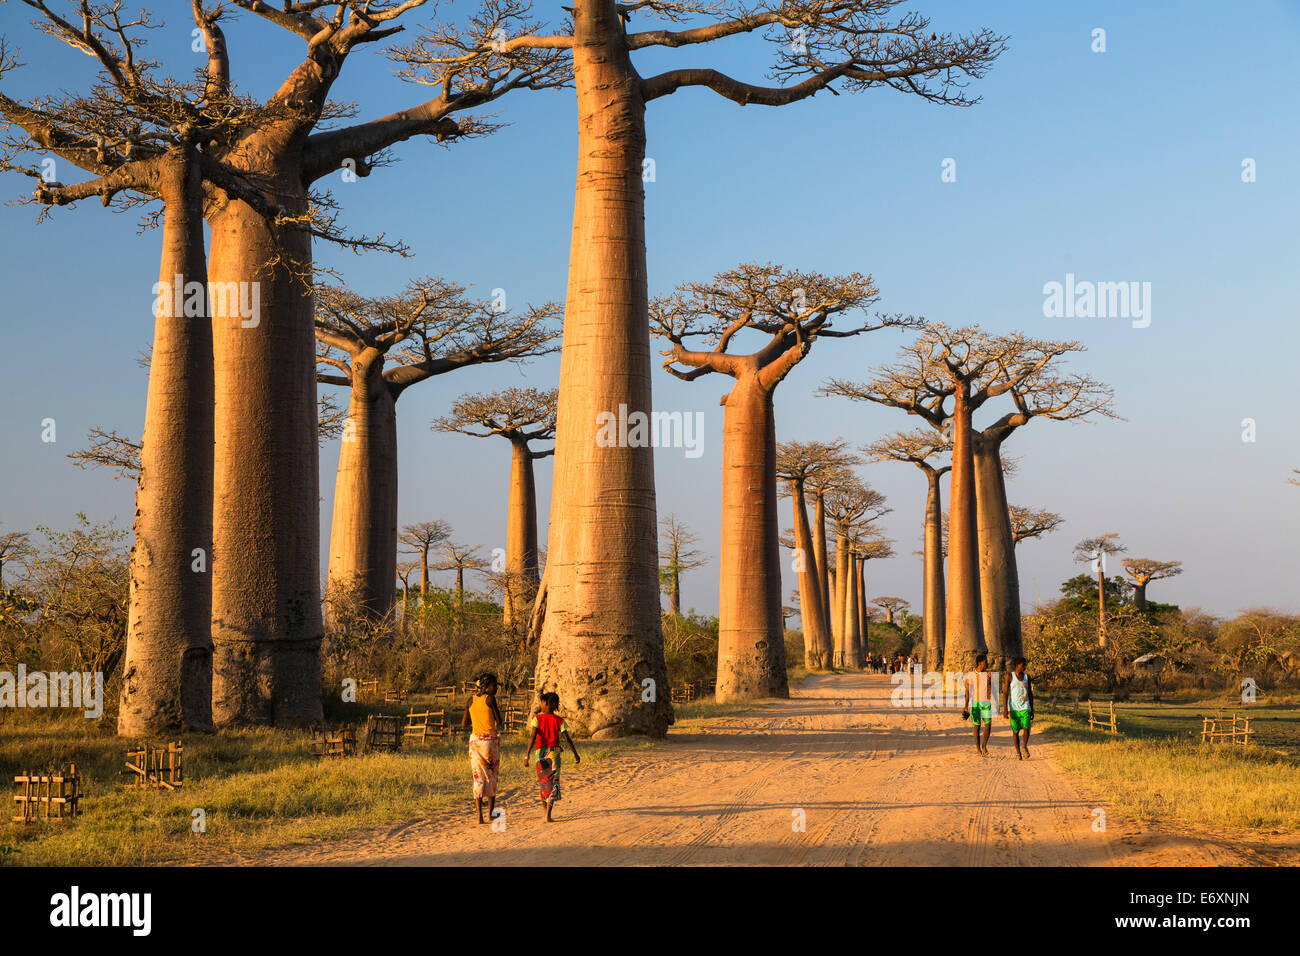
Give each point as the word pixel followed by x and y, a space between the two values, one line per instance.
pixel 852 636
pixel 167 672
pixel 964 631
pixel 823 569
pixel 864 635
pixel 836 611
pixel 363 533
pixel 675 593
pixel 1140 597
pixel 999 580
pixel 266 615
pixel 817 641
pixel 424 576
pixel 751 640
pixel 932 587
pixel 841 595
pixel 601 648
pixel 521 537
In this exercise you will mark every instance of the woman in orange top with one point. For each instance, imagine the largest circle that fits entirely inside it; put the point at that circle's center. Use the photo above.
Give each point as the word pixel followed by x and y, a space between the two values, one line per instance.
pixel 484 720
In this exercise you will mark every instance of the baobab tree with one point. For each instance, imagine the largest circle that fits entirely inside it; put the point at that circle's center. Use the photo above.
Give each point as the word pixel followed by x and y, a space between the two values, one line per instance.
pixel 960 364
pixel 142 138
pixel 852 506
pixel 377 348
pixel 521 416
pixel 1094 551
pixel 265 585
pixel 256 163
pixel 838 471
pixel 420 539
pixel 799 464
pixel 460 558
pixel 677 556
pixel 920 448
pixel 1029 370
pixel 404 571
pixel 793 309
pixel 1143 571
pixel 865 548
pixel 601 635
pixel 1032 523
pixel 970 367
pixel 890 605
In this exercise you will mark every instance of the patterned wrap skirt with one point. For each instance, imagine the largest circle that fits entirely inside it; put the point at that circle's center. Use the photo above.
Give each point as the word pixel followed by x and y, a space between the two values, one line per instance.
pixel 484 761
pixel 548 773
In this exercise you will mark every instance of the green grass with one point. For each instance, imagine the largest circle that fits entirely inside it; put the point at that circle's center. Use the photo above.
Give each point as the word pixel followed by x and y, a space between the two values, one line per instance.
pixel 1158 772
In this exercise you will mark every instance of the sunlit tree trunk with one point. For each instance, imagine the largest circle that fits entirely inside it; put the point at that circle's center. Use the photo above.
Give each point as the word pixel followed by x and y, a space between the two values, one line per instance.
pixel 933 588
pixel 751 644
pixel 999 580
pixel 852 623
pixel 266 615
pixel 601 648
pixel 363 533
pixel 864 634
pixel 817 640
pixel 167 671
pixel 823 569
pixel 1140 596
pixel 964 632
pixel 675 593
pixel 841 595
pixel 521 536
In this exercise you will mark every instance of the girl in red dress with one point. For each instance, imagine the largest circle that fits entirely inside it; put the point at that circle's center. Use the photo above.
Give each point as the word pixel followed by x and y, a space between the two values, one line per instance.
pixel 545 730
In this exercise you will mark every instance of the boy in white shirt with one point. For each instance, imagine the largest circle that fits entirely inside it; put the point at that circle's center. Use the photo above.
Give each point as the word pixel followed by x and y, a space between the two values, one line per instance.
pixel 1018 705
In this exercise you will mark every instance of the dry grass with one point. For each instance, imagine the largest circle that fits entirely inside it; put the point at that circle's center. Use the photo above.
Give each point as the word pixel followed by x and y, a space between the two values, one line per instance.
pixel 1158 772
pixel 259 789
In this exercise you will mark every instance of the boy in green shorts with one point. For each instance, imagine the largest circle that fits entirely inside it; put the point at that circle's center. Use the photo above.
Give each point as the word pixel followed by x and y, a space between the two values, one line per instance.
pixel 1018 705
pixel 979 703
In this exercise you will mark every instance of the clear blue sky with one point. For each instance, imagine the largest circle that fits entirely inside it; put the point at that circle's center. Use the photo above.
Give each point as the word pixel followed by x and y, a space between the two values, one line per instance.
pixel 1118 166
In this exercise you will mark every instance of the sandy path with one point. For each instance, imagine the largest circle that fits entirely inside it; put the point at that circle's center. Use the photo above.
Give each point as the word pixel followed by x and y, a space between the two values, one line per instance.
pixel 878 785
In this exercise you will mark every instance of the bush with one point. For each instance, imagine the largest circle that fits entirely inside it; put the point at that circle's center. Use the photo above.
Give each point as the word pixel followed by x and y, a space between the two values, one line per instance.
pixel 690 647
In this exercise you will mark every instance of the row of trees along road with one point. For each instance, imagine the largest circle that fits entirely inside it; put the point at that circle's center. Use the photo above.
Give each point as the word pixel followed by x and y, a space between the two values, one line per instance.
pixel 229 450
pixel 943 378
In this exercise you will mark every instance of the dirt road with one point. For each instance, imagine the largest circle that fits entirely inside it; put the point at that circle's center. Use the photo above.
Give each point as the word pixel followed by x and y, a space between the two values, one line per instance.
pixel 871 784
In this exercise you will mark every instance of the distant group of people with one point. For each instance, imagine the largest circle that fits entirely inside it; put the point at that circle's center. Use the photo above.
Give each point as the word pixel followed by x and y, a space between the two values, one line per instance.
pixel 545 730
pixel 1015 702
pixel 898 664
